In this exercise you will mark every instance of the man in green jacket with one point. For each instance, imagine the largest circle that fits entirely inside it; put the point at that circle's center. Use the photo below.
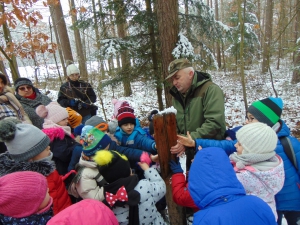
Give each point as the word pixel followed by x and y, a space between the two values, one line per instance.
pixel 199 104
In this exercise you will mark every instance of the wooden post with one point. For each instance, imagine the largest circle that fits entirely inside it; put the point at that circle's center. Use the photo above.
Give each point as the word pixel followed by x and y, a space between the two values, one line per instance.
pixel 165 136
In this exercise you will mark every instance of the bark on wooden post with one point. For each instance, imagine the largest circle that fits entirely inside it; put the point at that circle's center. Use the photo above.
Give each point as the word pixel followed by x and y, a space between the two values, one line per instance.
pixel 165 137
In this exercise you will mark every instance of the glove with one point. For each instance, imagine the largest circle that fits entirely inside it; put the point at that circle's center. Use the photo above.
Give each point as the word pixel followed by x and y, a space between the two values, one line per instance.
pixel 73 102
pixel 175 167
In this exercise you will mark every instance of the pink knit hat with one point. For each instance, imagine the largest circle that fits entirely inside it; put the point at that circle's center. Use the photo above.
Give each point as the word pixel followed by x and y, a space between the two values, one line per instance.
pixel 53 111
pixel 22 193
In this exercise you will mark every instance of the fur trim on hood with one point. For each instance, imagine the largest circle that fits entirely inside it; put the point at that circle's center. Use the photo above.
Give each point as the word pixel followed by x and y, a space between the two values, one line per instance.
pixel 8 165
pixel 54 132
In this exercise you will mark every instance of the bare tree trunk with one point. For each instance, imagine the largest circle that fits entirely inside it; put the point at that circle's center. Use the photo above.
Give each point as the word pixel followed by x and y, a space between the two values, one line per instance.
pixel 154 58
pixel 268 36
pixel 59 22
pixel 218 50
pixel 296 72
pixel 168 26
pixel 121 26
pixel 80 54
pixel 242 63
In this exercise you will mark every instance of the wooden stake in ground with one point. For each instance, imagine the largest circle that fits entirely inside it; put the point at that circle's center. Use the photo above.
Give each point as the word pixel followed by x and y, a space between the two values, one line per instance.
pixel 165 136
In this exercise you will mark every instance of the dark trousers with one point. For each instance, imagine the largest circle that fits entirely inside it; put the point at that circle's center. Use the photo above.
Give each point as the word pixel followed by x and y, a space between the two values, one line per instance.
pixel 292 217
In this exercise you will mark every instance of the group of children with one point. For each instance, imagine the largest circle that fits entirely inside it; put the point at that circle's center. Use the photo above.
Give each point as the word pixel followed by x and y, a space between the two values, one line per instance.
pixel 53 152
pixel 107 169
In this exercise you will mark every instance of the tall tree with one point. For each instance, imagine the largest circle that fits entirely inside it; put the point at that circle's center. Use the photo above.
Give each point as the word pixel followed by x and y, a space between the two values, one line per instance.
pixel 268 36
pixel 80 53
pixel 218 49
pixel 59 21
pixel 296 72
pixel 168 26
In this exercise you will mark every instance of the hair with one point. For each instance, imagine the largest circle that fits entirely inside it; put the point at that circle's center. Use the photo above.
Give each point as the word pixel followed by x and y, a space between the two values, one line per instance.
pixel 3 77
pixel 188 69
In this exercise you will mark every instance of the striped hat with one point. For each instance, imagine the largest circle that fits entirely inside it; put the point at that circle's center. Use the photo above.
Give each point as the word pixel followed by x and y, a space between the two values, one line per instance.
pixel 267 110
pixel 74 119
pixel 125 114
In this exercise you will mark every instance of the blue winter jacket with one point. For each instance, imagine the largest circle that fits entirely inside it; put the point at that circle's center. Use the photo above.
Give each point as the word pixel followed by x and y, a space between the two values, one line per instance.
pixel 137 139
pixel 221 198
pixel 288 199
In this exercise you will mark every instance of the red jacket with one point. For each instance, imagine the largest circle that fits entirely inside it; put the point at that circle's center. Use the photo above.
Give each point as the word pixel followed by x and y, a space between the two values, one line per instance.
pixel 180 192
pixel 58 192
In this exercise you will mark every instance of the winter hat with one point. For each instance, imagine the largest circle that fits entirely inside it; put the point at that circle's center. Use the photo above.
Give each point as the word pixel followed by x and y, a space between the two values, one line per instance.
pixel 22 81
pixel 125 114
pixel 267 110
pixel 23 141
pixel 74 117
pixel 53 111
pixel 98 122
pixel 150 118
pixel 117 103
pixel 72 69
pixel 22 193
pixel 95 140
pixel 257 138
pixel 112 165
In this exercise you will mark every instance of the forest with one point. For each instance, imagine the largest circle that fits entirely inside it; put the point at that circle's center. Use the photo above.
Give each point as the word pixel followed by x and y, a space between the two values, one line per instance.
pixel 117 42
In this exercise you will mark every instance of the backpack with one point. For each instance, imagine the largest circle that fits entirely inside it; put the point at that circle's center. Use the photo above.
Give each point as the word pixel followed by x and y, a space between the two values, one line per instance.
pixel 289 151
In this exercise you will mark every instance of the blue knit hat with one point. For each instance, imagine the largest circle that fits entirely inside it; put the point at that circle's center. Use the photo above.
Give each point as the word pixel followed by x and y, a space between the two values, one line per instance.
pixel 95 140
pixel 267 110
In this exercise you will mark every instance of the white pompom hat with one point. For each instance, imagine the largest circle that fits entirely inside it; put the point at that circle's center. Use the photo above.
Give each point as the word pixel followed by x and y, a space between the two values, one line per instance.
pixel 72 69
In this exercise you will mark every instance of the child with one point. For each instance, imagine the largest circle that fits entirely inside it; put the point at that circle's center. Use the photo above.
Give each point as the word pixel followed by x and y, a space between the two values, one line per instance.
pixel 180 193
pixel 128 134
pixel 132 201
pixel 257 166
pixel 97 212
pixel 89 182
pixel 62 141
pixel 219 195
pixel 268 111
pixel 24 199
pixel 28 150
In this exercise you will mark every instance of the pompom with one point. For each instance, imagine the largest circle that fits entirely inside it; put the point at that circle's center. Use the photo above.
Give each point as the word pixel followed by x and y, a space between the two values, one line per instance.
pixel 145 158
pixel 41 111
pixel 7 129
pixel 103 157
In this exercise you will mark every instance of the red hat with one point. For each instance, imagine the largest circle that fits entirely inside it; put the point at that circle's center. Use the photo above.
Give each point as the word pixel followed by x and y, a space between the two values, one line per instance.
pixel 125 114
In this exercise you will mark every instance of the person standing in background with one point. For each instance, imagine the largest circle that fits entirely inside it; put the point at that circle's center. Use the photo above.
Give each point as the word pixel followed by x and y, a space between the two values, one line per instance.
pixel 77 94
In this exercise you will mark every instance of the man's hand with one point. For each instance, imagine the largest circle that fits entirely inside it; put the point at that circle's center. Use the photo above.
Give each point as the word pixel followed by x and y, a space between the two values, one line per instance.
pixel 177 149
pixel 186 141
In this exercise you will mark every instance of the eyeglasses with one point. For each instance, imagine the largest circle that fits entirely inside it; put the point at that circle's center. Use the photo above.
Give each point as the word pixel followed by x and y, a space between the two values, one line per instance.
pixel 24 88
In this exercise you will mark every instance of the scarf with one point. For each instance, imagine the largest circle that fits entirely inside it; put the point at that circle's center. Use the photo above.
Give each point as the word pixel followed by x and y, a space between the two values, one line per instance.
pixel 14 103
pixel 50 124
pixel 252 159
pixel 133 196
pixel 32 96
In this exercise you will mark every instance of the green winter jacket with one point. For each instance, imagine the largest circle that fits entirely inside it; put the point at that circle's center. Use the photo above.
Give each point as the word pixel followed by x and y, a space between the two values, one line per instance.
pixel 201 112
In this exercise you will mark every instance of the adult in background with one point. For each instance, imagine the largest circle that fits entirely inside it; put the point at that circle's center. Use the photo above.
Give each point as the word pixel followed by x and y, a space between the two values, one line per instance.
pixel 30 98
pixel 77 94
pixel 199 103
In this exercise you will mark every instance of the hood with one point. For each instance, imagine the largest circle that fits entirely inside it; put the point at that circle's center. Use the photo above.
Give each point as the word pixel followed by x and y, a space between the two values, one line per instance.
pixel 212 177
pixel 284 131
pixel 54 132
pixel 7 165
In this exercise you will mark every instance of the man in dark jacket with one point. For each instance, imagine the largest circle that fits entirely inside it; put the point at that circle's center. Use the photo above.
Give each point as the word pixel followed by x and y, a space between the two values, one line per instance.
pixel 77 94
pixel 199 104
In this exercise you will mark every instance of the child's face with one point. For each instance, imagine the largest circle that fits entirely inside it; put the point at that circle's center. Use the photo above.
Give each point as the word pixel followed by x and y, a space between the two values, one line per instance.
pixel 128 128
pixel 251 119
pixel 239 148
pixel 46 200
pixel 43 154
pixel 63 122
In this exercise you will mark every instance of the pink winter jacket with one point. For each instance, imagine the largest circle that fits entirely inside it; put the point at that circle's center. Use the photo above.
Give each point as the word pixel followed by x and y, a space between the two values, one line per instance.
pixel 85 212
